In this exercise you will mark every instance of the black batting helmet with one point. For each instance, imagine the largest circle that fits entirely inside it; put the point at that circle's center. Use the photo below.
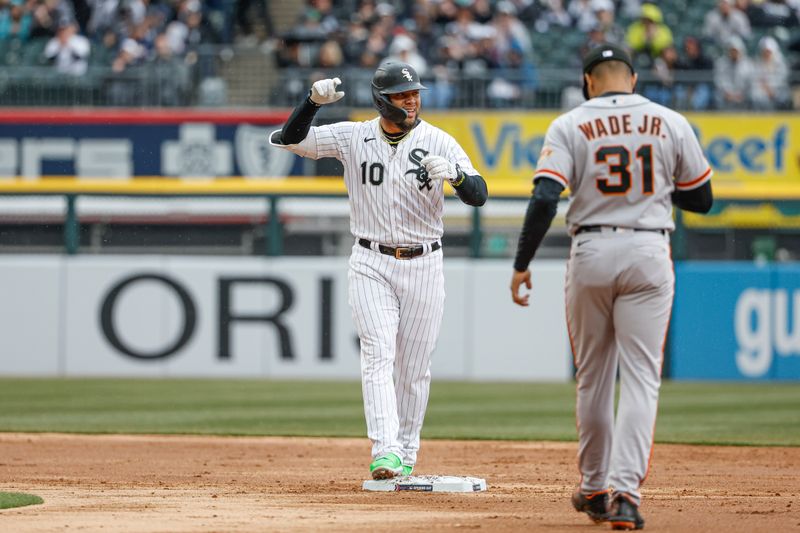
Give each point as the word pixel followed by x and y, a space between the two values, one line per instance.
pixel 393 77
pixel 604 52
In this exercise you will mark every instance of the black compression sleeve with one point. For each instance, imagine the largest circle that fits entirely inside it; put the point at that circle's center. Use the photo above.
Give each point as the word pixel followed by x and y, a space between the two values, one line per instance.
pixel 299 123
pixel 697 200
pixel 541 210
pixel 472 191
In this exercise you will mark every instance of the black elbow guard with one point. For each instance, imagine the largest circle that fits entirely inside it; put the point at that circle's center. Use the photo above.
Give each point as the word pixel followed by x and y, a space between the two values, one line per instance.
pixel 297 127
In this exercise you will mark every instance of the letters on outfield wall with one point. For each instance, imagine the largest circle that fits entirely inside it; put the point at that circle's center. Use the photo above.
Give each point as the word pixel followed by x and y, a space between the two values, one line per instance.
pixel 736 321
pixel 251 317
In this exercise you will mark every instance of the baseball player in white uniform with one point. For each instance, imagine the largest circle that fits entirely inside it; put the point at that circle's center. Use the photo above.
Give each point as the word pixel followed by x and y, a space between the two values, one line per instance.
pixel 395 166
pixel 626 162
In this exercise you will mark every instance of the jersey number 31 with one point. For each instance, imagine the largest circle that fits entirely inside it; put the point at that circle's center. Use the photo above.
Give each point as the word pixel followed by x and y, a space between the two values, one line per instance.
pixel 618 160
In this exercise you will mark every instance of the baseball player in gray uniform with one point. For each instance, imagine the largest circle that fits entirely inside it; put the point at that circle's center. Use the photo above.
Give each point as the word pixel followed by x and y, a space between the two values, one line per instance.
pixel 395 166
pixel 626 162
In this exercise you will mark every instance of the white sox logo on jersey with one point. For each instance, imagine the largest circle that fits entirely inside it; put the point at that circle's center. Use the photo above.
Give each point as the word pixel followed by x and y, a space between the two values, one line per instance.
pixel 407 74
pixel 420 174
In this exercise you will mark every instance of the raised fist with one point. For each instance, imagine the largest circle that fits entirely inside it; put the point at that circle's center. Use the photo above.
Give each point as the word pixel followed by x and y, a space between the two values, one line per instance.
pixel 324 91
pixel 440 168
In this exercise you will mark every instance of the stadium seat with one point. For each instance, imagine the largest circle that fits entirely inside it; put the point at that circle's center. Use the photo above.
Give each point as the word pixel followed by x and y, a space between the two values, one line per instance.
pixel 11 52
pixel 33 52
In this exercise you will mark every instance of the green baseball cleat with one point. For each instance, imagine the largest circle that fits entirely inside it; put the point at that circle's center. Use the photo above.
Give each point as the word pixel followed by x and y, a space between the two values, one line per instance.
pixel 407 469
pixel 386 466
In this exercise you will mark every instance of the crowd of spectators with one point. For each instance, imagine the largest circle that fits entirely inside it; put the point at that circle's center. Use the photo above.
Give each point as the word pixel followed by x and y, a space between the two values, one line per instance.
pixel 477 53
pixel 453 45
pixel 84 25
pixel 154 40
pixel 748 66
pixel 466 50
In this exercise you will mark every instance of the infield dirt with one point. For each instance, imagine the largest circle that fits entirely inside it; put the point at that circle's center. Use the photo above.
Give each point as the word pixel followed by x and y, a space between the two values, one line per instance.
pixel 193 483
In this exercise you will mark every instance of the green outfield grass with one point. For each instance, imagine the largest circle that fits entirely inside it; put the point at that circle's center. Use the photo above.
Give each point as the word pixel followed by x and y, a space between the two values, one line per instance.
pixel 707 413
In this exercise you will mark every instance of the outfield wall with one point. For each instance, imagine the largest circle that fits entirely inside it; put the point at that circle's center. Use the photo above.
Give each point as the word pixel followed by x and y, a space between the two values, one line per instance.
pixel 162 316
pixel 736 321
pixel 170 316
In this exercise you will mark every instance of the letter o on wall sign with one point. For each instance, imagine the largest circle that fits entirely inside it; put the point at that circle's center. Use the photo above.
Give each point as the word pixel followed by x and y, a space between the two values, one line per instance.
pixel 107 317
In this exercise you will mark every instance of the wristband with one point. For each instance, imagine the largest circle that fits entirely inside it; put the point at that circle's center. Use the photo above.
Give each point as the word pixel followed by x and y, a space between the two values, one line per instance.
pixel 312 102
pixel 459 180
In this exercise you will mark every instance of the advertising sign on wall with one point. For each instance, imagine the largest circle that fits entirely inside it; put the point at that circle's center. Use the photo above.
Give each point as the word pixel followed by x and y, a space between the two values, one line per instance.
pixel 736 321
pixel 162 316
pixel 125 144
pixel 504 146
pixel 741 149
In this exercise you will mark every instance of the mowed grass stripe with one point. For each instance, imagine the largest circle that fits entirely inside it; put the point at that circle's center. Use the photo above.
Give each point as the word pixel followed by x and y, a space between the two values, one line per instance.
pixel 707 413
pixel 18 499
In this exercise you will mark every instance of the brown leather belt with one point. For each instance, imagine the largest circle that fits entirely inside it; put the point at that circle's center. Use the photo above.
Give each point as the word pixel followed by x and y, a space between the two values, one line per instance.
pixel 401 252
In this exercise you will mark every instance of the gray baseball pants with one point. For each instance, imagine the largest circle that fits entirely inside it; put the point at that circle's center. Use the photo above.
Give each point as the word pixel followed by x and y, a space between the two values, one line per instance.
pixel 619 290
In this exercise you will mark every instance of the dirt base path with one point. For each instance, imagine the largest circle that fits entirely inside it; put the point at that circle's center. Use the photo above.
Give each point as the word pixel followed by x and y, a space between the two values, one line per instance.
pixel 187 483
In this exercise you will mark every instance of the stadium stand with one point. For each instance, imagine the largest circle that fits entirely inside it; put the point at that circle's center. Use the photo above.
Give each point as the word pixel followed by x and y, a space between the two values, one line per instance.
pixel 476 53
pixel 471 52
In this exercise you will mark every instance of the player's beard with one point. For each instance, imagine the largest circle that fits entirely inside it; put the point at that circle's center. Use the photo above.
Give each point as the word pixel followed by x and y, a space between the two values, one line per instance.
pixel 409 122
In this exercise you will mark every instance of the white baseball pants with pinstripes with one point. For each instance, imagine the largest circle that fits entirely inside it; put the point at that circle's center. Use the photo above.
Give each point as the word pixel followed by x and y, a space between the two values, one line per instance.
pixel 397 308
pixel 619 294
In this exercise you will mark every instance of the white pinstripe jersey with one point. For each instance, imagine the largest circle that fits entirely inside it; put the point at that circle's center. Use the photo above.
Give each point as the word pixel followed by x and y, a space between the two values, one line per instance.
pixel 392 201
pixel 621 157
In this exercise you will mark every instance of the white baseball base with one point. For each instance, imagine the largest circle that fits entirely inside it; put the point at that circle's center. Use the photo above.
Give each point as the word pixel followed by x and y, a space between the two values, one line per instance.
pixel 427 484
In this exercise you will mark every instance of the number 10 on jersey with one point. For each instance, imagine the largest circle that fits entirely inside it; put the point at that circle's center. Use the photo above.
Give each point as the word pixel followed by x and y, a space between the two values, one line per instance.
pixel 375 173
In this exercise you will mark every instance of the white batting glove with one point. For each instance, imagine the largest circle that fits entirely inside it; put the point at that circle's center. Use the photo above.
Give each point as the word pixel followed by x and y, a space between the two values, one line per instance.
pixel 440 168
pixel 324 91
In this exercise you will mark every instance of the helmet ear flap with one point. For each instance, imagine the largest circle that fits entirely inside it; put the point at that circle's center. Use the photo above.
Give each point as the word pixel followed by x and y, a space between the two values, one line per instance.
pixel 389 111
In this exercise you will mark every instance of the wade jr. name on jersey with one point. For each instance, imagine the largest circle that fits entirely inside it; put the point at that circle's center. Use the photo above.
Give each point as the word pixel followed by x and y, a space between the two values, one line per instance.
pixel 620 125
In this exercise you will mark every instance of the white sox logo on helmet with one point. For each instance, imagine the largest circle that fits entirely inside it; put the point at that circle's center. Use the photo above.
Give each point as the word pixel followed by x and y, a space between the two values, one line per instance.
pixel 407 74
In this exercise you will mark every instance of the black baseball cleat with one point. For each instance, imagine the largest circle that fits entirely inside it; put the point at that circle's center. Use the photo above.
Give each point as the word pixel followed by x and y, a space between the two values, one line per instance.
pixel 595 504
pixel 624 513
